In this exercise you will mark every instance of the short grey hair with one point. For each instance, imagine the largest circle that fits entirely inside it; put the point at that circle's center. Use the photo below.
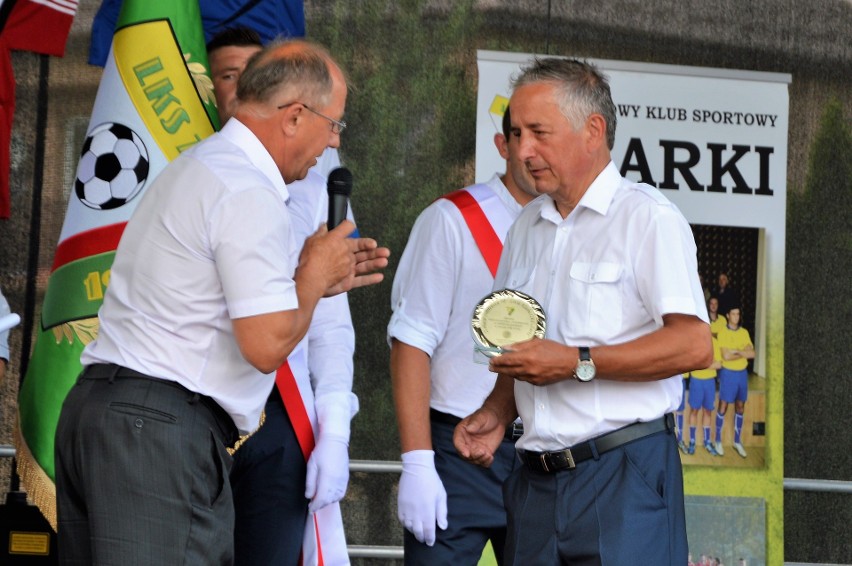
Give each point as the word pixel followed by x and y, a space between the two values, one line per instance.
pixel 288 71
pixel 581 90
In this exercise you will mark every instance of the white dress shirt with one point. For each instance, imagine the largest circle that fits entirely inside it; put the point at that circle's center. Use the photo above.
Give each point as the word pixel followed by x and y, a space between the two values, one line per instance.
pixel 606 274
pixel 440 279
pixel 210 241
pixel 330 342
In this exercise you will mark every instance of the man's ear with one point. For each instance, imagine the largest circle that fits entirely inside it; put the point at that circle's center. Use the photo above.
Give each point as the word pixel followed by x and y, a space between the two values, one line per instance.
pixel 502 145
pixel 291 119
pixel 595 131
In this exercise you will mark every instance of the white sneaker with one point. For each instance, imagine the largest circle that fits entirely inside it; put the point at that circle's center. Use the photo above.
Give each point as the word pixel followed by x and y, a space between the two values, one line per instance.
pixel 740 450
pixel 719 450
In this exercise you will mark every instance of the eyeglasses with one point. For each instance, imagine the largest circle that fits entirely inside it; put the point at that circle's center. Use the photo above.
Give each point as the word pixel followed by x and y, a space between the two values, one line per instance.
pixel 337 126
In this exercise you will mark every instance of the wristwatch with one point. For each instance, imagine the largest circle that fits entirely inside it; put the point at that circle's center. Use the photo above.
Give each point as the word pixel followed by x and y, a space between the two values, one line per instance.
pixel 585 370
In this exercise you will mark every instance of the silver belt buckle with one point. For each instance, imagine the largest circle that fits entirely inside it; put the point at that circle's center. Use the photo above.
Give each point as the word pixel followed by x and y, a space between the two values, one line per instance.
pixel 570 458
pixel 543 461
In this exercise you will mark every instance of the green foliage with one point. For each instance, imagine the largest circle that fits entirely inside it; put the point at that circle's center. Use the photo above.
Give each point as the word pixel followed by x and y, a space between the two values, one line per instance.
pixel 819 302
pixel 412 116
pixel 820 226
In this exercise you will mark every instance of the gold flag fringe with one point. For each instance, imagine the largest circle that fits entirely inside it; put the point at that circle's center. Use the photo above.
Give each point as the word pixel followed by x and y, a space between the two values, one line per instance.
pixel 40 489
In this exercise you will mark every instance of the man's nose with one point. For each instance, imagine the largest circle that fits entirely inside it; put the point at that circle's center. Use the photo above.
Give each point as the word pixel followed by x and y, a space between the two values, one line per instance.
pixel 526 147
pixel 334 140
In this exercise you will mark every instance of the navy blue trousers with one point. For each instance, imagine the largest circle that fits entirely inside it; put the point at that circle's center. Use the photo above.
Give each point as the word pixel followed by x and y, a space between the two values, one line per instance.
pixel 475 510
pixel 268 481
pixel 626 507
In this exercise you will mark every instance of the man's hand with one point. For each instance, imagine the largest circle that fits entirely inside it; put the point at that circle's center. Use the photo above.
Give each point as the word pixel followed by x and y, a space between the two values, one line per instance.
pixel 536 361
pixel 422 501
pixel 369 258
pixel 340 263
pixel 478 435
pixel 328 466
pixel 328 472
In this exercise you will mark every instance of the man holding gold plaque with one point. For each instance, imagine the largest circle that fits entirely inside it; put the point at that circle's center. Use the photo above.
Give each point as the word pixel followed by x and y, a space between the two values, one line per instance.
pixel 613 265
pixel 456 241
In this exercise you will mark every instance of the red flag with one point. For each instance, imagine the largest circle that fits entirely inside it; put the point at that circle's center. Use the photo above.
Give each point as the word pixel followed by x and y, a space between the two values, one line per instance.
pixel 40 26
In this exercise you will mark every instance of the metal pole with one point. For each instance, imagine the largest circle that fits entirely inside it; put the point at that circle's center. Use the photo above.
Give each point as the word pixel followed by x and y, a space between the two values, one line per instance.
pixel 835 486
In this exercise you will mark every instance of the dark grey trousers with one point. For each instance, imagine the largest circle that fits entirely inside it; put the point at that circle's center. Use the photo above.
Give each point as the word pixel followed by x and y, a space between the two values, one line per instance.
pixel 142 474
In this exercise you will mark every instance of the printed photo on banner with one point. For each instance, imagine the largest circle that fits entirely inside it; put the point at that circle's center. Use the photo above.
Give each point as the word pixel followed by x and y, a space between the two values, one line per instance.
pixel 726 531
pixel 710 433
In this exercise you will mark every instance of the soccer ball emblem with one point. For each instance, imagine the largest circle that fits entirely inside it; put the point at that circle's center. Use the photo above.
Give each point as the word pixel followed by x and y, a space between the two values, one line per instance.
pixel 113 167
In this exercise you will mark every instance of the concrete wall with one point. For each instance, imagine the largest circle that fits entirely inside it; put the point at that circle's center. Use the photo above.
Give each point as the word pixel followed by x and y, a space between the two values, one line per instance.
pixel 411 139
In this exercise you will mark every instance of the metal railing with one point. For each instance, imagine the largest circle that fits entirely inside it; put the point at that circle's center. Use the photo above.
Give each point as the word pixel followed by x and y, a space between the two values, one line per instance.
pixel 371 551
pixel 834 486
pixel 392 467
pixel 372 466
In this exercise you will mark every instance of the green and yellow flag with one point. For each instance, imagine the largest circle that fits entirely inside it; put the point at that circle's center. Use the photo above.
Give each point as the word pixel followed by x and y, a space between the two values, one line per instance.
pixel 155 99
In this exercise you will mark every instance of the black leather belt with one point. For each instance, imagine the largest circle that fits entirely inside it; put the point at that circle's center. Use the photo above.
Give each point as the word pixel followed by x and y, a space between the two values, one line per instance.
pixel 112 371
pixel 513 432
pixel 568 458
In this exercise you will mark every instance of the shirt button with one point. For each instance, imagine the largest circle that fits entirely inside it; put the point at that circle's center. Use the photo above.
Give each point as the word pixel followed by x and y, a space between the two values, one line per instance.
pixel 138 423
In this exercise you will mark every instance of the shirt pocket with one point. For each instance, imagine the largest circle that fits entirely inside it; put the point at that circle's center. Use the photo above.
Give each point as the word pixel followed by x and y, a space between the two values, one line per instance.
pixel 595 298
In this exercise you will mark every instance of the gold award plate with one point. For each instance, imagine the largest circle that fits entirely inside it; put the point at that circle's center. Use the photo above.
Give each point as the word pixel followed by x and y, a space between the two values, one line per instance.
pixel 505 317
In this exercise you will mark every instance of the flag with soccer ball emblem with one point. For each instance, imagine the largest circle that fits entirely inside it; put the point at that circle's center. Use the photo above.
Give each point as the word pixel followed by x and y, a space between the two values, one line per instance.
pixel 155 99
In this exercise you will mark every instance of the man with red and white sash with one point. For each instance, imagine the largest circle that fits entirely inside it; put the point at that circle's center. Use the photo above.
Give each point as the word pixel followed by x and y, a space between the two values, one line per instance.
pixel 290 474
pixel 301 450
pixel 447 267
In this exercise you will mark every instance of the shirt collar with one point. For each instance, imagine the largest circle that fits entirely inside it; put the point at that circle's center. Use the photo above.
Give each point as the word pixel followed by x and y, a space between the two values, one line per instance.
pixel 505 196
pixel 600 193
pixel 240 135
pixel 598 196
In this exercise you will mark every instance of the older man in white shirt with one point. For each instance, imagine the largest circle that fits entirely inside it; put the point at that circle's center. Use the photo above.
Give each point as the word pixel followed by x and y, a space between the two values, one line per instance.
pixel 209 294
pixel 614 265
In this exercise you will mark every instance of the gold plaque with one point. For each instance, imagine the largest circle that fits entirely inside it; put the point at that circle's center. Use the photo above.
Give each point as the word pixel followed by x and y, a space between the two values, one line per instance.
pixel 505 317
pixel 25 543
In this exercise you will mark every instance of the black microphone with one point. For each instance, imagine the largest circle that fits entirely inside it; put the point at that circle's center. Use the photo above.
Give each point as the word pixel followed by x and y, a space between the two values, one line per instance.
pixel 339 189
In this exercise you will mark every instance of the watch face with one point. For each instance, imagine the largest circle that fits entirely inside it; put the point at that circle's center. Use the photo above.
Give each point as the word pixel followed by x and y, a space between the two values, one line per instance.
pixel 585 371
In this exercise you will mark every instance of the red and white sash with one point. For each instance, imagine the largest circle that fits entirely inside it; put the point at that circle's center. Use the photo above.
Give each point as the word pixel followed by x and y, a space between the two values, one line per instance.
pixel 324 543
pixel 487 219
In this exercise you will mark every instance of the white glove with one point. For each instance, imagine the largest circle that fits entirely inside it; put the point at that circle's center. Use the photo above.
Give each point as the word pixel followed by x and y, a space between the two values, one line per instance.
pixel 328 472
pixel 422 498
pixel 328 466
